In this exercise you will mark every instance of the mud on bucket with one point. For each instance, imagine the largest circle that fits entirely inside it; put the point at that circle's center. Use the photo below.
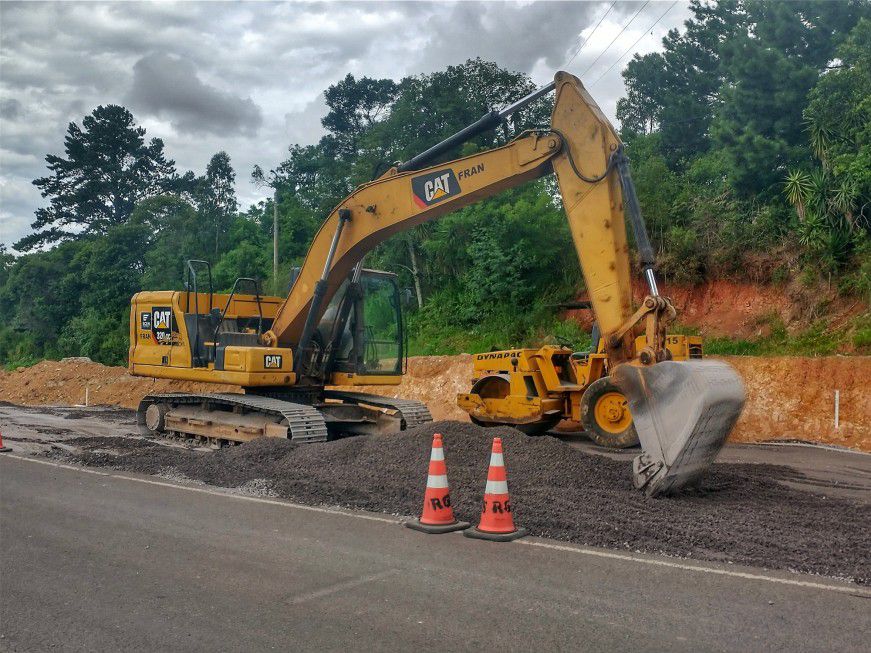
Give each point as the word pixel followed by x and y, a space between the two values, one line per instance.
pixel 683 412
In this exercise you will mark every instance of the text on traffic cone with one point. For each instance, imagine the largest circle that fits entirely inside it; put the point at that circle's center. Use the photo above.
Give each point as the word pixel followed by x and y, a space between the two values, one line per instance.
pixel 437 515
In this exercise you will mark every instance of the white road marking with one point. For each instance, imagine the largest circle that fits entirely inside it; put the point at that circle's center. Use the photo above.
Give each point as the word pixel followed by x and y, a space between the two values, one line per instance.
pixel 60 465
pixel 340 587
pixel 217 493
pixel 845 589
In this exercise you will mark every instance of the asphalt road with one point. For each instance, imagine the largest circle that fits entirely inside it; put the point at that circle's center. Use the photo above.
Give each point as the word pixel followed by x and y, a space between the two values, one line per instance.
pixel 98 561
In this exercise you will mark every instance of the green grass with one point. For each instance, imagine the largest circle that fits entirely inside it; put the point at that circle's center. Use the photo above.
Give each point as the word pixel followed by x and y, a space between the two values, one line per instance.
pixel 12 365
pixel 430 340
pixel 816 340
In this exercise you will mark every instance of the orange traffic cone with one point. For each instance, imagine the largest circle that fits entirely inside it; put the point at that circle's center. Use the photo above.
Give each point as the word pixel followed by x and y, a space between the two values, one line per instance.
pixel 3 448
pixel 437 516
pixel 497 521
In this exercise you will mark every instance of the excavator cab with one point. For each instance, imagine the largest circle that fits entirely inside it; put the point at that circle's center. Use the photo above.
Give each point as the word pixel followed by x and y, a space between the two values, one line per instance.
pixel 362 333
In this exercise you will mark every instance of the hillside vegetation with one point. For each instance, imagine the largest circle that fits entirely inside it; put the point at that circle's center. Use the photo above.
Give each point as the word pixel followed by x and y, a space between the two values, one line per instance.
pixel 750 140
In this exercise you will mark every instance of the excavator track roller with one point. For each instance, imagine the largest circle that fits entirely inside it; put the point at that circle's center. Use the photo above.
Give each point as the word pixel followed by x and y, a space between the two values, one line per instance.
pixel 683 412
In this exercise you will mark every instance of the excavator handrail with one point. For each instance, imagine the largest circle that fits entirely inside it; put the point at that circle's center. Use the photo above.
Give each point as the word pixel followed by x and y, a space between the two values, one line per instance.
pixel 256 285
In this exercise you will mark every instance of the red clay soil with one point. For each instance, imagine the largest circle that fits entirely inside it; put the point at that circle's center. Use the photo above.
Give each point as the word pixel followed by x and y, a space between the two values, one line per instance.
pixel 64 383
pixel 788 397
pixel 743 310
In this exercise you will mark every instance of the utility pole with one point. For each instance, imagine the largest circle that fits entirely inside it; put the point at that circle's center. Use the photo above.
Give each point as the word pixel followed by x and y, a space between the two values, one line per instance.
pixel 275 240
pixel 414 271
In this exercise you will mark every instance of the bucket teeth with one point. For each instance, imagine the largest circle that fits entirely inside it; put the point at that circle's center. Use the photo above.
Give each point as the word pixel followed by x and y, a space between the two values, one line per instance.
pixel 683 412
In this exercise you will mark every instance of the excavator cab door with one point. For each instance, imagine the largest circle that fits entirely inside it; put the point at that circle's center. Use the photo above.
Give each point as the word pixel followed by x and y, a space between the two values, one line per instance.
pixel 382 345
pixel 362 333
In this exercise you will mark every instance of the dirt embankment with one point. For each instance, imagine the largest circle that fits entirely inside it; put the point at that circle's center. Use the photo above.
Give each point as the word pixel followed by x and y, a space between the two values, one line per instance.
pixel 744 310
pixel 66 382
pixel 788 397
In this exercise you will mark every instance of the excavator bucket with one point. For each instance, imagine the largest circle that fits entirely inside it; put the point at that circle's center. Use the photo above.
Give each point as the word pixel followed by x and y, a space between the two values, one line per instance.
pixel 683 412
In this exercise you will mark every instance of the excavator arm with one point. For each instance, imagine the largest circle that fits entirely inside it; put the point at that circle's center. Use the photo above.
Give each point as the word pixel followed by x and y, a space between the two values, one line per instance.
pixel 581 148
pixel 682 411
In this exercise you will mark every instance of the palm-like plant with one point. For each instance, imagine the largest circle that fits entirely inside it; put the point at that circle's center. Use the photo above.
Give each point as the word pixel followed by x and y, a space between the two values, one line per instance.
pixel 813 232
pixel 821 136
pixel 797 187
pixel 843 200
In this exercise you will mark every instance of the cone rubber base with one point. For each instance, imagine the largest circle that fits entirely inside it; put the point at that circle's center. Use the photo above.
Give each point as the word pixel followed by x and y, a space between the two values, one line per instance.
pixel 5 449
pixel 495 537
pixel 433 529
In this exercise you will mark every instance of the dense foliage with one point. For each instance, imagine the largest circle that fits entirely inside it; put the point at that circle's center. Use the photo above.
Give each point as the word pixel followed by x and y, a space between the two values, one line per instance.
pixel 750 138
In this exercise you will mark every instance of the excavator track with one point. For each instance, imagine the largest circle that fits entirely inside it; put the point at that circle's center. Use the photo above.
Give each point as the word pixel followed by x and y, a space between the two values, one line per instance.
pixel 414 413
pixel 304 423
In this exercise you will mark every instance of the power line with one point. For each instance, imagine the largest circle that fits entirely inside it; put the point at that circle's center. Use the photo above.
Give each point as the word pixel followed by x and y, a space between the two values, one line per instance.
pixel 643 34
pixel 587 40
pixel 615 38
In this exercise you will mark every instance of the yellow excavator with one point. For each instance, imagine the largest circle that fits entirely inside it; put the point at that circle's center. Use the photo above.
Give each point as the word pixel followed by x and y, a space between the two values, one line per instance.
pixel 342 325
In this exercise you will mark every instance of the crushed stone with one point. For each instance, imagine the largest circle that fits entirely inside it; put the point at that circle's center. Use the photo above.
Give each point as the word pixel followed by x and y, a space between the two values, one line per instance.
pixel 740 513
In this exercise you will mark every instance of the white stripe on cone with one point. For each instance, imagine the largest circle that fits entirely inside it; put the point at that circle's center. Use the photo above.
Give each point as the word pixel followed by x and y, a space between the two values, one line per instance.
pixel 496 460
pixel 437 454
pixel 436 481
pixel 496 487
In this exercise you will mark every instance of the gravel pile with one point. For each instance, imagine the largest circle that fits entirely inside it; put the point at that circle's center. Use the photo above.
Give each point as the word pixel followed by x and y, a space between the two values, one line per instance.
pixel 739 514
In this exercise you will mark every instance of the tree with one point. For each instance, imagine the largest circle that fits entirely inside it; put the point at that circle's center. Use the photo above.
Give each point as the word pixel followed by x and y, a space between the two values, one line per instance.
pixel 173 235
pixel 108 169
pixel 832 200
pixel 218 203
pixel 677 90
pixel 355 105
pixel 640 110
pixel 838 118
pixel 771 68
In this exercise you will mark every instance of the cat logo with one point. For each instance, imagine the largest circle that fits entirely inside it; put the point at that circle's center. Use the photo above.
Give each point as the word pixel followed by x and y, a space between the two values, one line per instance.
pixel 272 361
pixel 162 324
pixel 434 187
pixel 162 319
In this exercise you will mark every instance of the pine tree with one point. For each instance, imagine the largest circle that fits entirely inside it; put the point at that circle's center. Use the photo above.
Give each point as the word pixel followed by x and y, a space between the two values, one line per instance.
pixel 108 169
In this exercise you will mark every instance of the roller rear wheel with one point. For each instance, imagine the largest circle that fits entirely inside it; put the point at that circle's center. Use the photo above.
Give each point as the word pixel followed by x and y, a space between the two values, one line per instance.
pixel 605 416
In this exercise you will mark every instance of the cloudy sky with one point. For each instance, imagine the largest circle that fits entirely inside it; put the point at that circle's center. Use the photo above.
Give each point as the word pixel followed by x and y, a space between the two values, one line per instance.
pixel 248 77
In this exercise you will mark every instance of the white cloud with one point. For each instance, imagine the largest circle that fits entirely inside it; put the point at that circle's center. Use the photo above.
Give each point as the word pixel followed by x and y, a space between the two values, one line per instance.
pixel 249 78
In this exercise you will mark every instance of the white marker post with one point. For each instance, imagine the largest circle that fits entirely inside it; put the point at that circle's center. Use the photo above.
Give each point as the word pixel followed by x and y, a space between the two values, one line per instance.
pixel 837 407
